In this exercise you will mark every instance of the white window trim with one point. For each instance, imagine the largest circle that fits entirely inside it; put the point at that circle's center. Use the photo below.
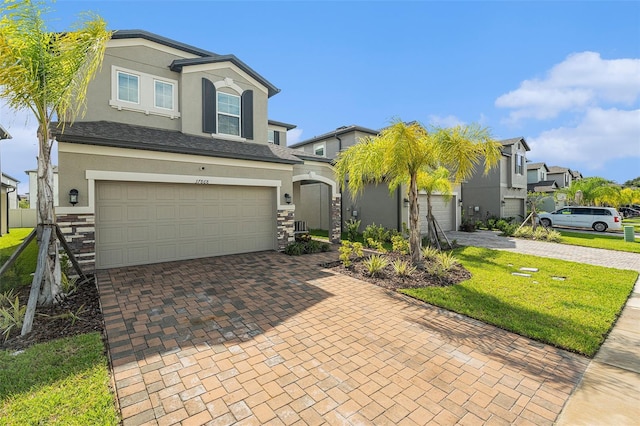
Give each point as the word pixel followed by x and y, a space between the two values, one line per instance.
pixel 218 113
pixel 322 145
pixel 155 94
pixel 118 85
pixel 146 94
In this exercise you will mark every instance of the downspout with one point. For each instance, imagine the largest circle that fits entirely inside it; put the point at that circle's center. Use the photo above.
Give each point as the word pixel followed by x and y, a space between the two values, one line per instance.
pixel 341 221
pixel 7 194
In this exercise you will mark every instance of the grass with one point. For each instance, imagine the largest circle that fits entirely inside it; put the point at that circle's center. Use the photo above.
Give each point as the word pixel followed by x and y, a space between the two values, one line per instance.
pixel 609 242
pixel 574 314
pixel 63 382
pixel 20 272
pixel 635 222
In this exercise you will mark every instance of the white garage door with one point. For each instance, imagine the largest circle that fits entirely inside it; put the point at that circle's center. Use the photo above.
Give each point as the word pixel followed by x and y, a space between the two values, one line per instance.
pixel 139 223
pixel 513 207
pixel 443 212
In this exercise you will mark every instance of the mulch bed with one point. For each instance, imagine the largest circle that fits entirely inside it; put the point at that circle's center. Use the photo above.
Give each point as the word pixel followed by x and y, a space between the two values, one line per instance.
pixel 388 279
pixel 54 322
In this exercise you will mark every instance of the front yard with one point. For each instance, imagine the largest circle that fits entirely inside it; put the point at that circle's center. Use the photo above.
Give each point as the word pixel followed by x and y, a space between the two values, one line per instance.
pixel 608 242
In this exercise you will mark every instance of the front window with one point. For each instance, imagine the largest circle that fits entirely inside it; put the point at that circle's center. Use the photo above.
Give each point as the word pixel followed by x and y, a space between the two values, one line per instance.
pixel 319 149
pixel 128 88
pixel 271 136
pixel 163 94
pixel 519 164
pixel 228 114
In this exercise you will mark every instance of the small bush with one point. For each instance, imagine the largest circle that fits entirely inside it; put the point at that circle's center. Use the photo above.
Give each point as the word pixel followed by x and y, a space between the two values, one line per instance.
pixel 376 245
pixel 447 260
pixel 353 227
pixel 376 233
pixel 306 246
pixel 403 268
pixel 430 253
pixel 11 316
pixel 375 264
pixel 400 244
pixel 467 226
pixel 347 250
pixel 294 249
pixel 540 234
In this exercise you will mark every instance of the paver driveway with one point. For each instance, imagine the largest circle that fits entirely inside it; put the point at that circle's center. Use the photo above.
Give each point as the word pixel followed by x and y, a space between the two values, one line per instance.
pixel 265 338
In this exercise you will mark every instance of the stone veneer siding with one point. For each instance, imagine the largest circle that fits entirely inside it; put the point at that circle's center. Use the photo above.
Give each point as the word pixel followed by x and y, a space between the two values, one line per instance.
pixel 285 228
pixel 80 232
pixel 336 220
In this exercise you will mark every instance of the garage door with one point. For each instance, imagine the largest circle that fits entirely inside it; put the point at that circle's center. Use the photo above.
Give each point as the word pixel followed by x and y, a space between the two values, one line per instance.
pixel 139 223
pixel 443 212
pixel 513 207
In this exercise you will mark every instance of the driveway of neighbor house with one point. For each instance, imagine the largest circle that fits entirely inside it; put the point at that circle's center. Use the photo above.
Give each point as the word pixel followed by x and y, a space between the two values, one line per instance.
pixel 265 338
pixel 610 389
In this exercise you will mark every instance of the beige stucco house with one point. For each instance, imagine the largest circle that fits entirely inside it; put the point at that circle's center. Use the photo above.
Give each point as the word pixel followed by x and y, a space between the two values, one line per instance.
pixel 503 191
pixel 375 204
pixel 176 159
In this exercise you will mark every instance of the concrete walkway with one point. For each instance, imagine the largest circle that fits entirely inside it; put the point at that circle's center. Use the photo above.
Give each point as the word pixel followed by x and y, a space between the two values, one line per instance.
pixel 266 338
pixel 609 392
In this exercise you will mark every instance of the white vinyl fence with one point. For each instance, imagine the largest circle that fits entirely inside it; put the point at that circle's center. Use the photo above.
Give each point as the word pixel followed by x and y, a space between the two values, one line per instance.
pixel 22 218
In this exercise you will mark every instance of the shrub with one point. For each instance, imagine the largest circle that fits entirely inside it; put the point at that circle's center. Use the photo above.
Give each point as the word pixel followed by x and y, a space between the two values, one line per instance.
pixel 403 268
pixel 306 246
pixel 294 249
pixel 11 316
pixel 467 226
pixel 430 253
pixel 400 244
pixel 376 245
pixel 447 260
pixel 353 227
pixel 376 233
pixel 541 234
pixel 375 264
pixel 348 249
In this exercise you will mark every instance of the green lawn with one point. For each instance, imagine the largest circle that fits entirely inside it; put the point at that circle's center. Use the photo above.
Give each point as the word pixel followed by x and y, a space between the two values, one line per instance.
pixel 25 265
pixel 635 222
pixel 574 314
pixel 609 242
pixel 63 382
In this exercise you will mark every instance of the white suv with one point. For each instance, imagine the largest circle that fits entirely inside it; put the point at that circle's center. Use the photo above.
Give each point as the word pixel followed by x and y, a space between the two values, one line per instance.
pixel 598 218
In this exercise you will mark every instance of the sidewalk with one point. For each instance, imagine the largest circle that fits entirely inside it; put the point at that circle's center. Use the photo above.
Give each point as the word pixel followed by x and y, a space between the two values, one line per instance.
pixel 610 388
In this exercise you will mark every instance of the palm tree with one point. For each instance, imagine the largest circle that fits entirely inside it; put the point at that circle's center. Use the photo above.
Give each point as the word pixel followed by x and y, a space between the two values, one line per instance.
pixel 588 191
pixel 406 154
pixel 47 73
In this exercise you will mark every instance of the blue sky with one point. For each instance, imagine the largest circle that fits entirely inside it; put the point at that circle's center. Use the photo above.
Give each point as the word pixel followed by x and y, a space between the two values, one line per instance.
pixel 565 75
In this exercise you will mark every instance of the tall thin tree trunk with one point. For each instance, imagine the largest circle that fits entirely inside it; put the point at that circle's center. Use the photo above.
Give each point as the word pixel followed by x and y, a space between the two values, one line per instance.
pixel 414 215
pixel 50 289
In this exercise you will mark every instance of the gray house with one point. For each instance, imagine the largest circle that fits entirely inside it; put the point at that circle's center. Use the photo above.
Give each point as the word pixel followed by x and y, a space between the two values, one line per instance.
pixel 503 191
pixel 176 159
pixel 375 204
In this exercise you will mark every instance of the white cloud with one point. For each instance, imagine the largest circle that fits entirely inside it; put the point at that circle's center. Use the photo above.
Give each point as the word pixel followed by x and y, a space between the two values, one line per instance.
pixel 444 121
pixel 294 136
pixel 601 136
pixel 582 81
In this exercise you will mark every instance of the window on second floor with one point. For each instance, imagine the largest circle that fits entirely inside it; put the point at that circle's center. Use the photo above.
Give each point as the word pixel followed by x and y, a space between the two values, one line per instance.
pixel 519 164
pixel 228 114
pixel 128 87
pixel 320 149
pixel 273 136
pixel 141 92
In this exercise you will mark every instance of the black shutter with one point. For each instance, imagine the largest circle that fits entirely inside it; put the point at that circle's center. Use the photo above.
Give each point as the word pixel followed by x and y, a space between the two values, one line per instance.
pixel 247 114
pixel 208 106
pixel 276 137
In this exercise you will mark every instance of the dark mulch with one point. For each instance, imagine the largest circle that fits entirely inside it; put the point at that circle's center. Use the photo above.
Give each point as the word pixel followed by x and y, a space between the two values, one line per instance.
pixel 387 278
pixel 56 321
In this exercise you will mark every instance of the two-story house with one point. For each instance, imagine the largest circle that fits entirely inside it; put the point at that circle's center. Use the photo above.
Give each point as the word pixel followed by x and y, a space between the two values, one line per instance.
pixel 503 191
pixel 5 189
pixel 176 159
pixel 375 204
pixel 538 182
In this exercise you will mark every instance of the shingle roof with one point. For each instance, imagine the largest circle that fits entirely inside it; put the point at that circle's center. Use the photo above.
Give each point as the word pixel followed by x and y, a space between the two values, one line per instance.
pixel 512 141
pixel 542 186
pixel 4 134
pixel 107 133
pixel 206 57
pixel 558 169
pixel 337 132
pixel 535 166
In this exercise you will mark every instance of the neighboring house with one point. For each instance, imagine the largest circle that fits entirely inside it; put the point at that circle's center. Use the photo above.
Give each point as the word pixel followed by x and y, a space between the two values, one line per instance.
pixel 563 176
pixel 12 195
pixel 172 159
pixel 5 189
pixel 375 204
pixel 503 191
pixel 33 187
pixel 537 172
pixel 537 181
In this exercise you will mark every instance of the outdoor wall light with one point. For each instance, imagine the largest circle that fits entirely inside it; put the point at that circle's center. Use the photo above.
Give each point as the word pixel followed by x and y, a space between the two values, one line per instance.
pixel 460 202
pixel 503 202
pixel 73 197
pixel 287 198
pixel 406 202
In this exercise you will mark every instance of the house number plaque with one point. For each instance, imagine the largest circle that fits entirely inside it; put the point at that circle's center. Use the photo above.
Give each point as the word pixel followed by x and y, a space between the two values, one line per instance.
pixel 202 182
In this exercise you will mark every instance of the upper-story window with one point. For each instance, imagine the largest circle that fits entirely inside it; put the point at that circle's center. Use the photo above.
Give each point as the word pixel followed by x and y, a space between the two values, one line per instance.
pixel 320 149
pixel 128 87
pixel 163 94
pixel 228 114
pixel 141 92
pixel 273 136
pixel 519 164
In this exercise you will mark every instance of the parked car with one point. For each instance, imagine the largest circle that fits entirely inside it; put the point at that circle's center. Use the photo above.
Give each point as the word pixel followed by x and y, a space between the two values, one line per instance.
pixel 629 212
pixel 598 218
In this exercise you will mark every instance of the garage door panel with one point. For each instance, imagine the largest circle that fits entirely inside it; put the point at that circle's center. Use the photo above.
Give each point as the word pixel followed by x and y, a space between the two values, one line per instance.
pixel 155 222
pixel 443 211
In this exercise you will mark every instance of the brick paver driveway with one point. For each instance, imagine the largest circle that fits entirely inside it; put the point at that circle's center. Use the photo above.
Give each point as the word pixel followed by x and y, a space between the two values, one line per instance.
pixel 265 338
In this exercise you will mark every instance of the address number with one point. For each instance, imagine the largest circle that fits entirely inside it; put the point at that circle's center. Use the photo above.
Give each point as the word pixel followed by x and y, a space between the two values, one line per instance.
pixel 202 182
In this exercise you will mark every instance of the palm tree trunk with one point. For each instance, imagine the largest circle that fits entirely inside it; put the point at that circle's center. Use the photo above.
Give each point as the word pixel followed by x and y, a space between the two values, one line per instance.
pixel 50 289
pixel 414 215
